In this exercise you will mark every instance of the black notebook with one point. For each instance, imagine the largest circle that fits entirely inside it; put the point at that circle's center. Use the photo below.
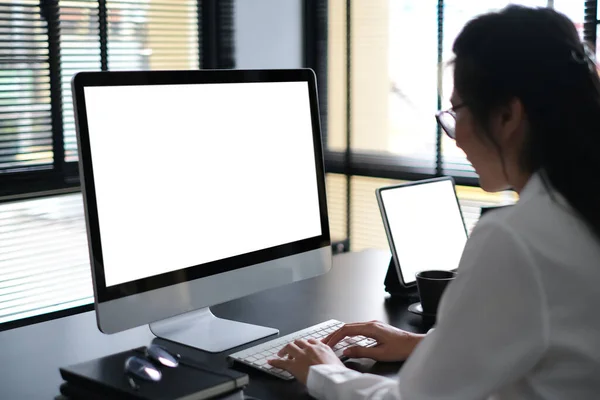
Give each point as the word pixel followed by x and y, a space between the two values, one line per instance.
pixel 106 378
pixel 71 392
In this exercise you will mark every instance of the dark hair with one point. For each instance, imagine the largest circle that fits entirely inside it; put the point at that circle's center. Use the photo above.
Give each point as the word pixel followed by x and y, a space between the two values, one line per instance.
pixel 535 55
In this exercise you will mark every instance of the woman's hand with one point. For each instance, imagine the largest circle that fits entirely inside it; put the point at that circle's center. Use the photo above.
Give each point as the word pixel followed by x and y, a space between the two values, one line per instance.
pixel 301 354
pixel 393 344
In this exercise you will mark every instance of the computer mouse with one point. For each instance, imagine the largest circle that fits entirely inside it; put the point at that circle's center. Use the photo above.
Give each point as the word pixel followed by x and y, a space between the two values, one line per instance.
pixel 142 368
pixel 162 356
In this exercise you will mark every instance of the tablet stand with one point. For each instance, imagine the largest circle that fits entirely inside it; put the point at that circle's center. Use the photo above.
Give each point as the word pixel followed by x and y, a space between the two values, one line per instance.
pixel 395 289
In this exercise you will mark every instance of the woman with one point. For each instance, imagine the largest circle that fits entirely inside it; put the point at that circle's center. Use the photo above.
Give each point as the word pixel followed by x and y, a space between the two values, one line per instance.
pixel 520 321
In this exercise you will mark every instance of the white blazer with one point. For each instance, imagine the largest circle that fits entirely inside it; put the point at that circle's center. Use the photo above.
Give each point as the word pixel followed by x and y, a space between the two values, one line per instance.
pixel 521 321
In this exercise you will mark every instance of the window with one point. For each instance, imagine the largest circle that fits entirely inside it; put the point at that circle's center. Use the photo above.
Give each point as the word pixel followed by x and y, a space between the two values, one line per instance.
pixel 25 113
pixel 44 262
pixel 79 32
pixel 383 91
pixel 336 206
pixel 44 265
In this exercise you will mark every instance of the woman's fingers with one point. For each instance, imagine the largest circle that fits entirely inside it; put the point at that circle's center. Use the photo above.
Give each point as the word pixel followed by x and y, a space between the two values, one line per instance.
pixel 365 329
pixel 301 343
pixel 280 363
pixel 291 350
pixel 364 352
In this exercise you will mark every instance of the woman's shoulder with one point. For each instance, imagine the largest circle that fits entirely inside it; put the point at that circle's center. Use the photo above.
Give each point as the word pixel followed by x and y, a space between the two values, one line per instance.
pixel 511 237
pixel 541 233
pixel 543 221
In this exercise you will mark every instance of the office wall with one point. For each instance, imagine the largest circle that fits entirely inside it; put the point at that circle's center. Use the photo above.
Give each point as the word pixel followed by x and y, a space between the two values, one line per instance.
pixel 268 33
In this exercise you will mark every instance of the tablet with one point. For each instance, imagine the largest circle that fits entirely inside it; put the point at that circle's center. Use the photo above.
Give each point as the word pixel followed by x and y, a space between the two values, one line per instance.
pixel 424 226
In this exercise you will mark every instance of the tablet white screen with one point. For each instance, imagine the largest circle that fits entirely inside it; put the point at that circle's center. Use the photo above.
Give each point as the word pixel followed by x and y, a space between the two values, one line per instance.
pixel 426 226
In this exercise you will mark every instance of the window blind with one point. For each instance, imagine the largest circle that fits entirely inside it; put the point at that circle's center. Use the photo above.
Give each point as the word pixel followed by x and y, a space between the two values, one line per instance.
pixel 25 114
pixel 152 35
pixel 44 262
pixel 590 22
pixel 79 32
pixel 336 206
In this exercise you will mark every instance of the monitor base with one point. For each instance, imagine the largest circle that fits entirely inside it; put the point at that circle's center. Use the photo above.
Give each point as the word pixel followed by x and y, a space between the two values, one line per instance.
pixel 203 330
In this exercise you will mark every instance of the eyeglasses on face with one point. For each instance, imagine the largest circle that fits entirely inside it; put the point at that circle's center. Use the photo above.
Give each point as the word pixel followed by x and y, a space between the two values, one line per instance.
pixel 447 120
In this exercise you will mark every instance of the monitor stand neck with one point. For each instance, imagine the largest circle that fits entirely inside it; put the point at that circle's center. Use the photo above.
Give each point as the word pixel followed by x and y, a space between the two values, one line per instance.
pixel 203 330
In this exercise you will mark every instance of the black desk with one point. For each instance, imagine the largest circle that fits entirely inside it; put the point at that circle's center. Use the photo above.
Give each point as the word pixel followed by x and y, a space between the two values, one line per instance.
pixel 352 291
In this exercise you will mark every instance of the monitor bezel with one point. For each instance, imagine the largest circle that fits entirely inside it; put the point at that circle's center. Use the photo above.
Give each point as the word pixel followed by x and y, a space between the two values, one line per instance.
pixel 386 225
pixel 133 78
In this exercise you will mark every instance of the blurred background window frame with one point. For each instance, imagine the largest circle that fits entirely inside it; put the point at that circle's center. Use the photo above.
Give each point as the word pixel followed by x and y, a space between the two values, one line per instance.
pixel 352 61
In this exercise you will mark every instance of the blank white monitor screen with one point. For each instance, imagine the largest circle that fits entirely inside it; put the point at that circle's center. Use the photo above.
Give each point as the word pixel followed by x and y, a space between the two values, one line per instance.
pixel 426 226
pixel 182 201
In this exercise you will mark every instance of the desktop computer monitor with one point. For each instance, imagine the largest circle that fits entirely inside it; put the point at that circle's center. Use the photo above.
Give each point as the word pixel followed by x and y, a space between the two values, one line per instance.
pixel 199 187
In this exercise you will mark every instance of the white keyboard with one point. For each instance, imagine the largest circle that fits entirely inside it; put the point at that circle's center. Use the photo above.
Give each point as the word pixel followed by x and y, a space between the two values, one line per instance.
pixel 257 356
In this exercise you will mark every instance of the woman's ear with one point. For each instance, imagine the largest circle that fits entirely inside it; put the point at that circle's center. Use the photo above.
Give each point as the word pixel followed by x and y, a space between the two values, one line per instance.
pixel 511 120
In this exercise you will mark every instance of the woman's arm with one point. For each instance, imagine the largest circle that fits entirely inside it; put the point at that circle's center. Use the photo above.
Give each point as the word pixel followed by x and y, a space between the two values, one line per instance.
pixel 492 329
